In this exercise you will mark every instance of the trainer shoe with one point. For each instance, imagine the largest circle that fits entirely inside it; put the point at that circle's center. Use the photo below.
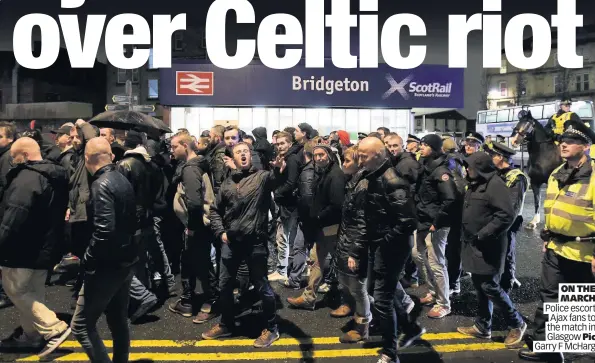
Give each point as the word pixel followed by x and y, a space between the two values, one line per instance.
pixel 179 307
pixel 266 339
pixel 216 332
pixel 428 300
pixel 143 309
pixel 276 276
pixel 54 343
pixel 406 339
pixel 301 303
pixel 438 312
pixel 474 331
pixel 515 337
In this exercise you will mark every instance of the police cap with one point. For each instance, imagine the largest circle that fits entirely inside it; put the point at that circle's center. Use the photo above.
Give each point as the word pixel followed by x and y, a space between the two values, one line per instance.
pixel 566 101
pixel 413 138
pixel 361 135
pixel 501 149
pixel 578 131
pixel 474 136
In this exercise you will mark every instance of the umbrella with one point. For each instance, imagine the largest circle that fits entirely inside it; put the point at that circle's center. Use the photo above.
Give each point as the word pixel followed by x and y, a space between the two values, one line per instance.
pixel 129 120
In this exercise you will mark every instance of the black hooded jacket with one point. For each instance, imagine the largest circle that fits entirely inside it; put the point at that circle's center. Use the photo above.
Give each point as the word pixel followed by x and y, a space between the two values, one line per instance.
pixel 32 215
pixel 436 192
pixel 284 194
pixel 407 167
pixel 263 147
pixel 329 193
pixel 488 213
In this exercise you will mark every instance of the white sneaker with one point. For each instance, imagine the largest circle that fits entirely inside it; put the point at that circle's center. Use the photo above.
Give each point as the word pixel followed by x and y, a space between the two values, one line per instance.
pixel 410 307
pixel 54 343
pixel 276 276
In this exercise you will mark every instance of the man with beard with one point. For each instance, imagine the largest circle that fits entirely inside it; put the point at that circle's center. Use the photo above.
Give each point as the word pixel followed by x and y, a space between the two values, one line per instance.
pixel 192 204
pixel 117 149
pixel 239 219
pixel 286 201
pixel 147 183
pixel 325 215
pixel 487 214
pixel 30 231
pixel 7 135
pixel 79 207
pixel 435 196
pixel 390 219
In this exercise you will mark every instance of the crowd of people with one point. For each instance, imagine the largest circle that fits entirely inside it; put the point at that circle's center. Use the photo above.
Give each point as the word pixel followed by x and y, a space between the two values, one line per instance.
pixel 358 222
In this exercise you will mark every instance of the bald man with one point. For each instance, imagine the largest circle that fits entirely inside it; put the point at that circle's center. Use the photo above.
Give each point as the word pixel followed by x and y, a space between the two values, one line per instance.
pixel 391 210
pixel 32 227
pixel 109 260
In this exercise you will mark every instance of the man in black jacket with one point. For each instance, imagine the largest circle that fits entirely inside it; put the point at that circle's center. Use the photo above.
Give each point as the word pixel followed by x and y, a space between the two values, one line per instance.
pixel 325 215
pixel 32 226
pixel 109 259
pixel 192 203
pixel 8 132
pixel 263 147
pixel 117 149
pixel 286 201
pixel 435 195
pixel 217 168
pixel 239 219
pixel 147 183
pixel 390 220
pixel 487 215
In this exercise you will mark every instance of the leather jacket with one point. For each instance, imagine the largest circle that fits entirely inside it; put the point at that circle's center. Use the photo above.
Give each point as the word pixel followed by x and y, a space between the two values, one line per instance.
pixel 113 242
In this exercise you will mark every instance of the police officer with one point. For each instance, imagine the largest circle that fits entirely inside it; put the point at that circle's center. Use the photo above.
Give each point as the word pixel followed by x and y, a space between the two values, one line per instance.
pixel 488 144
pixel 501 139
pixel 555 125
pixel 517 183
pixel 473 142
pixel 570 195
pixel 413 143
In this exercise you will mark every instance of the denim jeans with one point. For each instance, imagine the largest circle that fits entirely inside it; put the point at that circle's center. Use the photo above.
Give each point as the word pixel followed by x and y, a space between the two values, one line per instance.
pixel 139 286
pixel 254 253
pixel 489 293
pixel 386 262
pixel 286 232
pixel 406 321
pixel 357 288
pixel 297 258
pixel 509 274
pixel 158 256
pixel 429 255
pixel 196 263
pixel 105 291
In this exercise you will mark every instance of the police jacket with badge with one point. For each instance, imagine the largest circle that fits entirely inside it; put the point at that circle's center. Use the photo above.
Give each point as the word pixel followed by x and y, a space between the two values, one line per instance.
pixel 555 125
pixel 570 197
pixel 487 216
pixel 436 193
pixel 389 207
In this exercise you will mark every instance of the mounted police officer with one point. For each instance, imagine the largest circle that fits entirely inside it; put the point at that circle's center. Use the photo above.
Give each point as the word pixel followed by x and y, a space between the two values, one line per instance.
pixel 517 183
pixel 569 227
pixel 555 125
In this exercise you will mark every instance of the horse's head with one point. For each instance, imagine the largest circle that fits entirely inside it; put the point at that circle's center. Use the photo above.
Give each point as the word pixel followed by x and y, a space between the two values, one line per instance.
pixel 524 128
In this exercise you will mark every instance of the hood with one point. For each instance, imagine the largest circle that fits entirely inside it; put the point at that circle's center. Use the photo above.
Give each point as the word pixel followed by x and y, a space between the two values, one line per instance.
pixel 139 150
pixel 45 167
pixel 482 163
pixel 294 149
pixel 260 133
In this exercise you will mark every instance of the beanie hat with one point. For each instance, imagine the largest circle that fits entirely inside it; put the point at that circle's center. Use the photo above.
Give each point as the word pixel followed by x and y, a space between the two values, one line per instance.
pixel 434 141
pixel 344 137
pixel 307 129
pixel 133 139
pixel 326 148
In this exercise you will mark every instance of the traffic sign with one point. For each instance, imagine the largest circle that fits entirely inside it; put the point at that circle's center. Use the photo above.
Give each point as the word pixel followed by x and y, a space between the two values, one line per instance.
pixel 143 108
pixel 116 107
pixel 124 99
pixel 194 83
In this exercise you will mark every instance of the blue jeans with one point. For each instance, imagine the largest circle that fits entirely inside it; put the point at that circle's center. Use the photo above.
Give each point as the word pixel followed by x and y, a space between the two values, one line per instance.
pixel 489 293
pixel 286 232
pixel 254 253
pixel 105 291
pixel 358 290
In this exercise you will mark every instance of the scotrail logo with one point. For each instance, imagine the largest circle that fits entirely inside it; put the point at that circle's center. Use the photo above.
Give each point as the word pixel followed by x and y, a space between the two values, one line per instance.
pixel 435 89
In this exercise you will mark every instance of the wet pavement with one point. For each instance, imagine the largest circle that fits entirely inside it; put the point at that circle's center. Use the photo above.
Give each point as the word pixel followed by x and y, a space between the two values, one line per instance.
pixel 311 336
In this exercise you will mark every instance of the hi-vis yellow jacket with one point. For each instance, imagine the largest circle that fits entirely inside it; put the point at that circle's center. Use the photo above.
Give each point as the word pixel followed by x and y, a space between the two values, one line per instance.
pixel 559 122
pixel 569 212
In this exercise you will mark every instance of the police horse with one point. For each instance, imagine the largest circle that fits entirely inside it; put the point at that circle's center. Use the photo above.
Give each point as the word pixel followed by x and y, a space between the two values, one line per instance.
pixel 544 156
